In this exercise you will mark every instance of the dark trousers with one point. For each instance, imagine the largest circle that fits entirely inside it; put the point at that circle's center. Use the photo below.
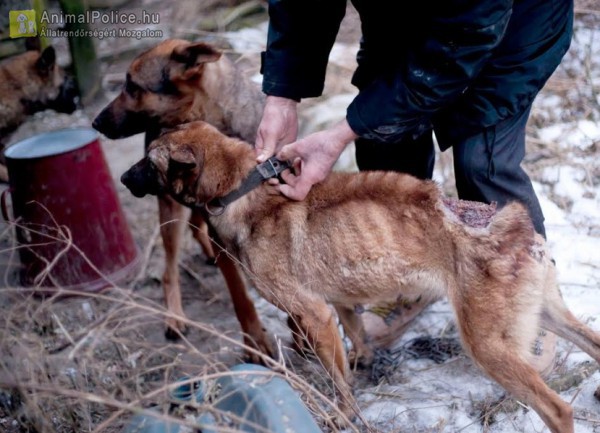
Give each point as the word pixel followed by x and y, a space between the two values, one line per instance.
pixel 487 164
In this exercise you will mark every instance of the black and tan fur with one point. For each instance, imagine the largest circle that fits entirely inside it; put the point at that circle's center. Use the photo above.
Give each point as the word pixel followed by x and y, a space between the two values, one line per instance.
pixel 170 84
pixel 31 82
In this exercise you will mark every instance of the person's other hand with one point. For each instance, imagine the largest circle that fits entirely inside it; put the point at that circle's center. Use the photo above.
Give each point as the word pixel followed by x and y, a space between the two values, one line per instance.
pixel 278 126
pixel 313 158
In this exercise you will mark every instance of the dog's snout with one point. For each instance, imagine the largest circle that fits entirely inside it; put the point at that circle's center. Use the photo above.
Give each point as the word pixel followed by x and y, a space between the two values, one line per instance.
pixel 126 178
pixel 133 181
pixel 67 100
pixel 141 179
pixel 102 122
pixel 96 126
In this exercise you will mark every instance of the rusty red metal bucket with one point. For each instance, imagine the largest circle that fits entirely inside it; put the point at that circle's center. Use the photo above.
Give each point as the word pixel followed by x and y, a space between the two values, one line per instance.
pixel 71 230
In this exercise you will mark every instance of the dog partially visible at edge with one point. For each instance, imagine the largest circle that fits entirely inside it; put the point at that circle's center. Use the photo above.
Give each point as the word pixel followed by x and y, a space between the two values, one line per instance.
pixel 365 237
pixel 31 82
pixel 172 83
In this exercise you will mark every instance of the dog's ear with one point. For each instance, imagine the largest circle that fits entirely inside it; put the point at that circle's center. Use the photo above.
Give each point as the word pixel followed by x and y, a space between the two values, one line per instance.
pixel 182 165
pixel 182 158
pixel 159 156
pixel 46 61
pixel 194 56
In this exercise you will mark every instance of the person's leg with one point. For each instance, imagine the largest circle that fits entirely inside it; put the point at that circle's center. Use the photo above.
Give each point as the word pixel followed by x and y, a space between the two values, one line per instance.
pixel 488 168
pixel 411 156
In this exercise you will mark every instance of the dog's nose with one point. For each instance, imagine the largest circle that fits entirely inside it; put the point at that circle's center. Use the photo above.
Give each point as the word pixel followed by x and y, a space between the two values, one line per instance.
pixel 102 123
pixel 135 183
pixel 125 177
pixel 96 126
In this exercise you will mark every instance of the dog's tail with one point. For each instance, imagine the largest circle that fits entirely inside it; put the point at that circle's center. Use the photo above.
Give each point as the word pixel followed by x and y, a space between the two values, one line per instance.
pixel 557 318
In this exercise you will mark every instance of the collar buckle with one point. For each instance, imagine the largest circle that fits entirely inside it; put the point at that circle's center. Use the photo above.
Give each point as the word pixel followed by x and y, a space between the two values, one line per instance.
pixel 272 167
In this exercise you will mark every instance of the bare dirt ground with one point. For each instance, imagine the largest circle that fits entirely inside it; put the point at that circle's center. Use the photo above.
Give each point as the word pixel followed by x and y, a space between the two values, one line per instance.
pixel 88 363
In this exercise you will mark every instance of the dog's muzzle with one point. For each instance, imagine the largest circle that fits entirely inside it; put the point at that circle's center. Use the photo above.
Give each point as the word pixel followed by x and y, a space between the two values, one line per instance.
pixel 68 97
pixel 142 179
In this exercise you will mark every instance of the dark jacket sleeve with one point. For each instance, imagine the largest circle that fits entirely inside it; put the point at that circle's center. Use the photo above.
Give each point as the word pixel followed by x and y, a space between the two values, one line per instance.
pixel 301 34
pixel 447 53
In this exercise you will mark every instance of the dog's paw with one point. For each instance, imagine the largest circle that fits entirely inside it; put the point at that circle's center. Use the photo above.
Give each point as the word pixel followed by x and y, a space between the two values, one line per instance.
pixel 175 330
pixel 261 345
pixel 362 359
pixel 337 421
pixel 303 349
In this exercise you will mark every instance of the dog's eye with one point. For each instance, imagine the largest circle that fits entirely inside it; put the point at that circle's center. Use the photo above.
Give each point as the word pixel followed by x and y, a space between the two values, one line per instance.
pixel 131 87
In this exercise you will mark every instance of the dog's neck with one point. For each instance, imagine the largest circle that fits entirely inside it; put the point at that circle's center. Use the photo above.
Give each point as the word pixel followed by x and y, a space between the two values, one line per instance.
pixel 236 102
pixel 269 169
pixel 231 163
pixel 227 164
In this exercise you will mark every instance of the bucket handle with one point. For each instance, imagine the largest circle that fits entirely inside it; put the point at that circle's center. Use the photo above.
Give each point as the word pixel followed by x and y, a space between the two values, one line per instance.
pixel 4 206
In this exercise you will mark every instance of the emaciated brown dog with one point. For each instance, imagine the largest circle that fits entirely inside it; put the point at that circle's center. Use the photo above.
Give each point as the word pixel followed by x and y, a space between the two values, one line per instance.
pixel 365 237
pixel 31 82
pixel 173 83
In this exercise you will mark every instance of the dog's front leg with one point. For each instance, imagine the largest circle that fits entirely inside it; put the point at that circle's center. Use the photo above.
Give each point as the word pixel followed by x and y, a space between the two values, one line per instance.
pixel 173 218
pixel 200 233
pixel 255 337
pixel 3 173
pixel 316 319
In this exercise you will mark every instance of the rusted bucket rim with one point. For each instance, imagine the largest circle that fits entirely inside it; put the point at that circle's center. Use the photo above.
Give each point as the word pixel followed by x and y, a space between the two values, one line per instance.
pixel 51 143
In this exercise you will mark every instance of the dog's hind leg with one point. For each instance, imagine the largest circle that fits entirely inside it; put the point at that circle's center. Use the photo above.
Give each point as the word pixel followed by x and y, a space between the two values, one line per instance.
pixel 200 233
pixel 361 354
pixel 519 378
pixel 497 349
pixel 557 318
pixel 172 218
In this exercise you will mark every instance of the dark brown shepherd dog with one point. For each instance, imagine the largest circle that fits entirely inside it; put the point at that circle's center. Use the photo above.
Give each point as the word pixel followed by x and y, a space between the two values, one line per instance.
pixel 170 84
pixel 372 236
pixel 31 82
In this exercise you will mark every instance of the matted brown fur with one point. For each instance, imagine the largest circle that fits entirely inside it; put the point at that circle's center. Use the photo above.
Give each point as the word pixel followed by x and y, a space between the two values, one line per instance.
pixel 31 82
pixel 172 83
pixel 373 236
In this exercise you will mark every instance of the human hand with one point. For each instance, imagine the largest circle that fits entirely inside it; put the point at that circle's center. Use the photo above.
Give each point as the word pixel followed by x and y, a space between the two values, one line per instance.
pixel 313 158
pixel 278 126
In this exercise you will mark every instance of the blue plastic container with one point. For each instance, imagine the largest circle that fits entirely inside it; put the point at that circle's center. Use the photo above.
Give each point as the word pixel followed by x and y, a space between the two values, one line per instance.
pixel 258 402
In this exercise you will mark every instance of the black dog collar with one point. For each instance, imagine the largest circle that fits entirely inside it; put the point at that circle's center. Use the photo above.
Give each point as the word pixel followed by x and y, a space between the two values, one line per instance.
pixel 269 169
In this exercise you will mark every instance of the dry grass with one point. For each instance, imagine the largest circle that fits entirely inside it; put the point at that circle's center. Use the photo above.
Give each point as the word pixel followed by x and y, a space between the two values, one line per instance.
pixel 87 364
pixel 89 361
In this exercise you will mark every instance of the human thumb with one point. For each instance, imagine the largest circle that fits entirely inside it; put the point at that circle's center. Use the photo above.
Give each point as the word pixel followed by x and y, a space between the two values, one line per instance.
pixel 264 147
pixel 289 152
